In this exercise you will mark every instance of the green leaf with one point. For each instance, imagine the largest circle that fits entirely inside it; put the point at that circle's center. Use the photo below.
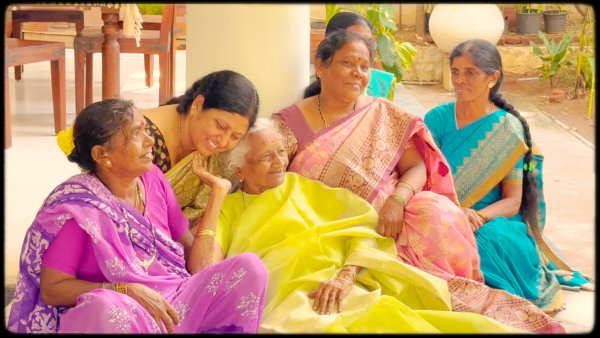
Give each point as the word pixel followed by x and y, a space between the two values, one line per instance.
pixel 385 50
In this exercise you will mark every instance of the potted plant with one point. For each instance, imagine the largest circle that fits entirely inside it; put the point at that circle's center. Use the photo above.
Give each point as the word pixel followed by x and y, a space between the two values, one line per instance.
pixel 555 18
pixel 395 56
pixel 556 55
pixel 529 18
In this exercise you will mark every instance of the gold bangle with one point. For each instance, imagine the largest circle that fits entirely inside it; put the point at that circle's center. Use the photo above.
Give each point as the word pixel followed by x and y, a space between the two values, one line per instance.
pixel 347 268
pixel 344 280
pixel 409 185
pixel 399 199
pixel 210 233
pixel 120 287
pixel 482 215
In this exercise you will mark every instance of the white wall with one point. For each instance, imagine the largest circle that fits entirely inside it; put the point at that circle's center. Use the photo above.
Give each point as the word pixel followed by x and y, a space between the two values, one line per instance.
pixel 269 44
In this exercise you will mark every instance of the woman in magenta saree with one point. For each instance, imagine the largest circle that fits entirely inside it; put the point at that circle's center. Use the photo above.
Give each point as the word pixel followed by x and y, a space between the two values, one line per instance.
pixel 119 267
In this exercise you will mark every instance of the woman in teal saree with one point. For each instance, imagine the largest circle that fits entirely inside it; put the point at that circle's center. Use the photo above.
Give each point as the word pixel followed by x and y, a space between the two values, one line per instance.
pixel 497 172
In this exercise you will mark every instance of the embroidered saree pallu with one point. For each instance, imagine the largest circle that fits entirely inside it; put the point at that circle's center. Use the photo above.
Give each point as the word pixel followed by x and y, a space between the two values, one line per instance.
pixel 304 233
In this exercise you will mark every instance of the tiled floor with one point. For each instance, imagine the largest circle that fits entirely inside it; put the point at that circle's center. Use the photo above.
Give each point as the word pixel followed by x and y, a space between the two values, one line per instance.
pixel 35 165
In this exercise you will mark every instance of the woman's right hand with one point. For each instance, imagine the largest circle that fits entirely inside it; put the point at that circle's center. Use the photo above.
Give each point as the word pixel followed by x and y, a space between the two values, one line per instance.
pixel 216 183
pixel 156 305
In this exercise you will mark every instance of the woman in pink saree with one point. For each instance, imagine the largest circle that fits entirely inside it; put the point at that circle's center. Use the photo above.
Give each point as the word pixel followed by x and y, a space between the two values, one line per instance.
pixel 106 251
pixel 382 153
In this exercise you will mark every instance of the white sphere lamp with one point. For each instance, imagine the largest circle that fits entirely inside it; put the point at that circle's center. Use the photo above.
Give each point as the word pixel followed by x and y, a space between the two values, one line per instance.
pixel 451 24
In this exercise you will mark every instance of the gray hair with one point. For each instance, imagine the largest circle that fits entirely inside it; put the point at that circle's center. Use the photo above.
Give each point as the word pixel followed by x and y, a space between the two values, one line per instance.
pixel 237 156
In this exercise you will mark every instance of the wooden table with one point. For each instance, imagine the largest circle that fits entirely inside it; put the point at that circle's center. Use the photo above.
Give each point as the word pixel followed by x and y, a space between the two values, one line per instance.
pixel 18 52
pixel 111 82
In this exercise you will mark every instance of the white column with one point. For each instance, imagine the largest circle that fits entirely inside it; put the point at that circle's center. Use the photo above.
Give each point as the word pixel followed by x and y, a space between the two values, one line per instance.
pixel 269 44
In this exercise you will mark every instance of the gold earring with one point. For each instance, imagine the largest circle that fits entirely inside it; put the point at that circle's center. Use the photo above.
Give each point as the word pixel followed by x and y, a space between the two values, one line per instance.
pixel 490 85
pixel 108 163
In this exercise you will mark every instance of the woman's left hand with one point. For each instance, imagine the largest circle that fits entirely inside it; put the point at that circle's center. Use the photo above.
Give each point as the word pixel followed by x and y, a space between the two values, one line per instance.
pixel 328 293
pixel 391 218
pixel 475 221
pixel 199 167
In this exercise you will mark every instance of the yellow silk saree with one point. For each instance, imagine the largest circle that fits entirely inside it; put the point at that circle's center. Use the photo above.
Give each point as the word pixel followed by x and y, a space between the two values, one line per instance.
pixel 305 232
pixel 192 194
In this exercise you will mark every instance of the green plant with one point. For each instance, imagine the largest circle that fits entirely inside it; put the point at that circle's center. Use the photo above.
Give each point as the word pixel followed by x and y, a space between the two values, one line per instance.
pixel 528 8
pixel 592 63
pixel 555 8
pixel 556 56
pixel 150 9
pixel 586 50
pixel 395 56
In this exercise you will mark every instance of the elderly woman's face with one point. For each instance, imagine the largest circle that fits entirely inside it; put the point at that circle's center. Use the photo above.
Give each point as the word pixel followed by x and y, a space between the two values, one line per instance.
pixel 266 161
pixel 347 74
pixel 470 82
pixel 130 149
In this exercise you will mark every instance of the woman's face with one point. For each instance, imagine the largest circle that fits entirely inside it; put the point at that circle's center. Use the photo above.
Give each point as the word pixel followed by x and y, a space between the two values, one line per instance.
pixel 470 83
pixel 346 75
pixel 214 130
pixel 266 161
pixel 130 149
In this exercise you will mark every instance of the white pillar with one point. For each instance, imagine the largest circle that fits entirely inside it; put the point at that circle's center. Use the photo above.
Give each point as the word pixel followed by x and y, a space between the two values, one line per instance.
pixel 269 44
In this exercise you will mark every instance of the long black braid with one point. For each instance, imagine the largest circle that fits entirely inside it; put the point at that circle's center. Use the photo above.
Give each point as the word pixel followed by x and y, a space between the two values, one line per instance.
pixel 487 58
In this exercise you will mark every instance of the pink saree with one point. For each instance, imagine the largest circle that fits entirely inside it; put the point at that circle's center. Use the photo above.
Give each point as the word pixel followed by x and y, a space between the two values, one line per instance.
pixel 360 152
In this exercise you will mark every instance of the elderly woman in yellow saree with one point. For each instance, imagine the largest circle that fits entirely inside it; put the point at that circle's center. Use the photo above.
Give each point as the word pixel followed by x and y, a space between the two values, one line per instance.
pixel 209 118
pixel 329 270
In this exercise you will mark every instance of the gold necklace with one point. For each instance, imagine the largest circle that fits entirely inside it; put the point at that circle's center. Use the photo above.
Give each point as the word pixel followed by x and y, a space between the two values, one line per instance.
pixel 145 264
pixel 321 112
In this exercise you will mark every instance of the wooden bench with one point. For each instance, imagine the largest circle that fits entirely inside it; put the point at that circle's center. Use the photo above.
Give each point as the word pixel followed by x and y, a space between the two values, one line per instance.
pixel 18 52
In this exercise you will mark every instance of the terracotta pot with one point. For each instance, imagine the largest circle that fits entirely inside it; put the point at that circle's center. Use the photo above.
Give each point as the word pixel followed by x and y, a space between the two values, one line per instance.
pixel 511 14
